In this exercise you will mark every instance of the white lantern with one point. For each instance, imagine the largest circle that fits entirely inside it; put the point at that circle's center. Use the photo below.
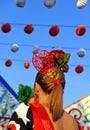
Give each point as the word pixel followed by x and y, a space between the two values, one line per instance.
pixel 82 3
pixel 14 48
pixel 81 52
pixel 20 3
pixel 49 3
pixel 35 49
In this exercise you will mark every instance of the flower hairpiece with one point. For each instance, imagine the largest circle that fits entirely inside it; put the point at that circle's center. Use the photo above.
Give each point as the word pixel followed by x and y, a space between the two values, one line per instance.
pixel 45 61
pixel 25 93
pixel 61 59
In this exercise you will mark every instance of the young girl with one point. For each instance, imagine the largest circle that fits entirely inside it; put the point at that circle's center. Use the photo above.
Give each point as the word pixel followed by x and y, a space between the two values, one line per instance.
pixel 45 111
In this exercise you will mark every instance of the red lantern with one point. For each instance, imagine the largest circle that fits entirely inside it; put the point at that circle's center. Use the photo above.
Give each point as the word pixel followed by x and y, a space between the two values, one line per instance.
pixel 80 30
pixel 54 30
pixel 26 64
pixel 79 69
pixel 6 28
pixel 28 28
pixel 8 63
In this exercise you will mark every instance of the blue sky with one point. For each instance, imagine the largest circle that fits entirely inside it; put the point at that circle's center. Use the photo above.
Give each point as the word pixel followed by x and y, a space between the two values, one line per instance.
pixel 67 16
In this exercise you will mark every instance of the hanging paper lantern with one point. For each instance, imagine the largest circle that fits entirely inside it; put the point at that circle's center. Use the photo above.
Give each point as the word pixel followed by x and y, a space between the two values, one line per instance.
pixel 6 28
pixel 8 63
pixel 82 3
pixel 35 49
pixel 54 30
pixel 28 28
pixel 14 48
pixel 80 30
pixel 81 52
pixel 79 69
pixel 26 64
pixel 49 3
pixel 20 3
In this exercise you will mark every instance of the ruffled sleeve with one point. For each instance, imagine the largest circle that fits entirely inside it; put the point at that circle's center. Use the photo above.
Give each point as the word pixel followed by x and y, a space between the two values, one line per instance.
pixel 21 119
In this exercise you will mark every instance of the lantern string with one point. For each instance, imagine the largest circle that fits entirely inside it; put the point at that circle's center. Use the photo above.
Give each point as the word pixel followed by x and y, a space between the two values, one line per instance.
pixel 43 46
pixel 19 60
pixel 44 25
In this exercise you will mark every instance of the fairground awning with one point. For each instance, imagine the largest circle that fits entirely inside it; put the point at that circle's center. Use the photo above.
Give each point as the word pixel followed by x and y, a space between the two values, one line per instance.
pixel 80 110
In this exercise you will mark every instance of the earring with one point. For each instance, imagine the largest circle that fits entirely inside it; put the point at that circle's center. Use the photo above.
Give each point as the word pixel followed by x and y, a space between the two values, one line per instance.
pixel 36 97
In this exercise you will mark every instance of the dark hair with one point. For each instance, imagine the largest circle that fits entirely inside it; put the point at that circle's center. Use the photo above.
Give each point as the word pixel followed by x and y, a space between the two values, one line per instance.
pixel 56 97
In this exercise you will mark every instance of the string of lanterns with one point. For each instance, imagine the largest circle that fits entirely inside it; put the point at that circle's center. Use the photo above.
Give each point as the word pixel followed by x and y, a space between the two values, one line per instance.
pixel 79 68
pixel 51 3
pixel 9 62
pixel 81 53
pixel 53 30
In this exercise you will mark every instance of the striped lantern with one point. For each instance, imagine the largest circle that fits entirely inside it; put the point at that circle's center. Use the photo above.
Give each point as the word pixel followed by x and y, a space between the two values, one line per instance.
pixel 81 3
pixel 35 49
pixel 20 3
pixel 49 3
pixel 81 52
pixel 14 48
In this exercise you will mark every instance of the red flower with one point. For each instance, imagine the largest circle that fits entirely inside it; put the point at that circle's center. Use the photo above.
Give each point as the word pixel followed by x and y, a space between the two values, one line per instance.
pixel 79 69
pixel 54 30
pixel 57 81
pixel 8 63
pixel 28 28
pixel 56 53
pixel 11 127
pixel 80 30
pixel 26 64
pixel 6 28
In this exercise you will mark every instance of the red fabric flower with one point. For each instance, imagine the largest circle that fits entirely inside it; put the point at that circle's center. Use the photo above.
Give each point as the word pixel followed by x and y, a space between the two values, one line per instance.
pixel 56 53
pixel 80 30
pixel 6 28
pixel 26 64
pixel 57 81
pixel 28 28
pixel 54 30
pixel 8 63
pixel 79 69
pixel 11 127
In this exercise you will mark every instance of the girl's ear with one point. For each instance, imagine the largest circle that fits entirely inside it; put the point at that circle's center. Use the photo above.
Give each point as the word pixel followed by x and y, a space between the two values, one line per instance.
pixel 36 91
pixel 37 87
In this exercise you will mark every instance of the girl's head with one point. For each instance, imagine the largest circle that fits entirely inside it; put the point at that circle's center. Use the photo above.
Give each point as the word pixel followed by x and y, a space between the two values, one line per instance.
pixel 47 81
pixel 50 78
pixel 53 84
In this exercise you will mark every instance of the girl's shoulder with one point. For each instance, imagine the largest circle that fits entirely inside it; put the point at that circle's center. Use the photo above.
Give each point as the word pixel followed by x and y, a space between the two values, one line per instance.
pixel 69 121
